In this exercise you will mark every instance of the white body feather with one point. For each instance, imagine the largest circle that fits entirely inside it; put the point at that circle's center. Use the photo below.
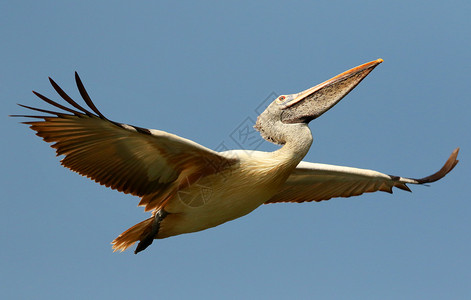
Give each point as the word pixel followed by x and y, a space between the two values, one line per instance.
pixel 223 197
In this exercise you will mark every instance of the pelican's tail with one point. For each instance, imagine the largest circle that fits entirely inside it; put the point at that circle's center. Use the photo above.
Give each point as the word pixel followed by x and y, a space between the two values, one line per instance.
pixel 136 233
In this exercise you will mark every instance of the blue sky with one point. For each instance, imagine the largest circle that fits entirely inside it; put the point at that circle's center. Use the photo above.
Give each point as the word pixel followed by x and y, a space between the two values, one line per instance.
pixel 201 70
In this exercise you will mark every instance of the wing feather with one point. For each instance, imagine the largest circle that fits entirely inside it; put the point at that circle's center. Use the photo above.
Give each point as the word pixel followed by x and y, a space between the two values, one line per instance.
pixel 318 182
pixel 130 159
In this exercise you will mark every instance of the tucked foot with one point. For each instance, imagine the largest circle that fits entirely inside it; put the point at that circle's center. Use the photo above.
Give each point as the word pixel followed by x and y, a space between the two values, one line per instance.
pixel 149 238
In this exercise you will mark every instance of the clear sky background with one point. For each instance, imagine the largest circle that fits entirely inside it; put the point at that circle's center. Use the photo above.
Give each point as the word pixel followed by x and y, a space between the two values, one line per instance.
pixel 200 69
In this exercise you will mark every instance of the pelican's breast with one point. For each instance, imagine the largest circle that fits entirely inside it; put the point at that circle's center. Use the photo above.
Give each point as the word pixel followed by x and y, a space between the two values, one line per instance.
pixel 225 196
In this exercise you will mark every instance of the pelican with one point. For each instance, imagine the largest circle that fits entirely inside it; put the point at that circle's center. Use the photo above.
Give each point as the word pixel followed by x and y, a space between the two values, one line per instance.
pixel 189 187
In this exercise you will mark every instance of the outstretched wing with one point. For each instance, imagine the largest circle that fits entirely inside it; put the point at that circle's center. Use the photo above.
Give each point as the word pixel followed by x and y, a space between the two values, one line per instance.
pixel 127 158
pixel 317 182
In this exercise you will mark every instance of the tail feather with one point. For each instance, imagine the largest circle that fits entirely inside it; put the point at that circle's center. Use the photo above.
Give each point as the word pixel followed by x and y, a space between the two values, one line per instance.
pixel 132 235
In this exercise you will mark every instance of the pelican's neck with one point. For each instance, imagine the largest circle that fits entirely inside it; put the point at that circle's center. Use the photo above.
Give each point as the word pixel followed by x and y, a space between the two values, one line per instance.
pixel 298 140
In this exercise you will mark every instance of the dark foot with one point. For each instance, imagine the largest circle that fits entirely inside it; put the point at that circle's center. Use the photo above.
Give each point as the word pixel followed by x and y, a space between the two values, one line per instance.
pixel 149 238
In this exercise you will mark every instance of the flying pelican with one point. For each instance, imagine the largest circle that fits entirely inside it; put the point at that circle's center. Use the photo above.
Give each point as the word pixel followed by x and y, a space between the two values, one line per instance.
pixel 189 187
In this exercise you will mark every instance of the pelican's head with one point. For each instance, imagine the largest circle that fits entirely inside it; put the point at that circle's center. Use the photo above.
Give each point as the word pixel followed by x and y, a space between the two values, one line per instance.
pixel 307 105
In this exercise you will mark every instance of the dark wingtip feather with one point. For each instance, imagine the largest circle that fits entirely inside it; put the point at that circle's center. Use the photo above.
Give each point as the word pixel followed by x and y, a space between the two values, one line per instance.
pixel 86 97
pixel 53 103
pixel 28 116
pixel 42 110
pixel 67 98
pixel 403 187
pixel 451 162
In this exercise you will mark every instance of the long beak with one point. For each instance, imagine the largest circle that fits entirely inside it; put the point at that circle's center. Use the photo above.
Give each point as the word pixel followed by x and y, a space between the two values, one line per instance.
pixel 315 101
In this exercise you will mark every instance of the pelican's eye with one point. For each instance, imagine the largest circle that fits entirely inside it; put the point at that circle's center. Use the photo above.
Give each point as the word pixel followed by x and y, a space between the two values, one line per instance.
pixel 284 100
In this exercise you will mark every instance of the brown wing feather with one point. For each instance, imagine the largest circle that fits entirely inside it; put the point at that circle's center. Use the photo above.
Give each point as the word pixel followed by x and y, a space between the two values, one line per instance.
pixel 129 159
pixel 318 182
